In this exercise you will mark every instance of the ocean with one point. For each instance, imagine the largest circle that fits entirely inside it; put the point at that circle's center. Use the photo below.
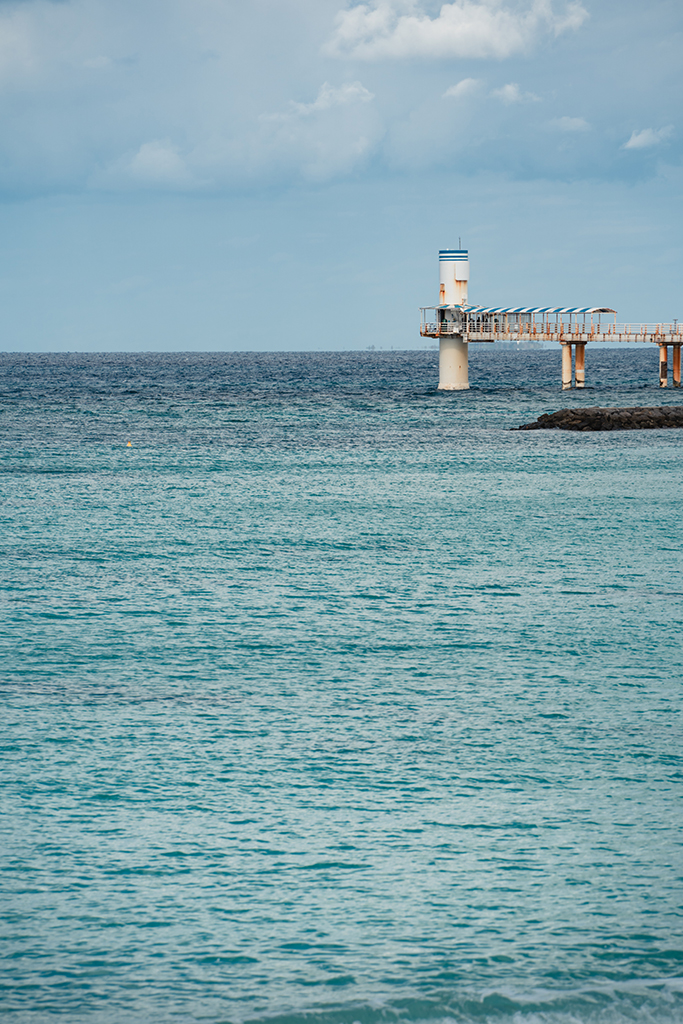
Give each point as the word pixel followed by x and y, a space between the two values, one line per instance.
pixel 329 698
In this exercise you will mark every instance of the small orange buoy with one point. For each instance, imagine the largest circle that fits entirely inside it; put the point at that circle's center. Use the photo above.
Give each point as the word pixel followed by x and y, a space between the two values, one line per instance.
pixel 129 445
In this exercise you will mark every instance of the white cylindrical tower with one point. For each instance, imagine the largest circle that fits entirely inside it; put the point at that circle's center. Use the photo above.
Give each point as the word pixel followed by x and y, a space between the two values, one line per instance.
pixel 454 272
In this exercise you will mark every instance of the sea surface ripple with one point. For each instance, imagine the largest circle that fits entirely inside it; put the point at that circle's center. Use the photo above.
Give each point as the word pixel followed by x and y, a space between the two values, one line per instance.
pixel 331 698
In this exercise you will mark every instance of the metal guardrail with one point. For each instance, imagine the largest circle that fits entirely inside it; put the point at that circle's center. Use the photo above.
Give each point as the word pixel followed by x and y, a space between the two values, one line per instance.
pixel 479 329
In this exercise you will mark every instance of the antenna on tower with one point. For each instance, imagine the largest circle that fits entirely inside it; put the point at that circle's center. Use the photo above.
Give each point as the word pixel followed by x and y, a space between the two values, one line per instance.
pixel 459 242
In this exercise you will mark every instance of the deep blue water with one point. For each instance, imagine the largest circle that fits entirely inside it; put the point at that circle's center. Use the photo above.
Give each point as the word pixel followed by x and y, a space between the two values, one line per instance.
pixel 334 699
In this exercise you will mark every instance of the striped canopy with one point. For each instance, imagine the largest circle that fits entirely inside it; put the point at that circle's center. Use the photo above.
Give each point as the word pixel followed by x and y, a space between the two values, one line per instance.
pixel 477 310
pixel 539 309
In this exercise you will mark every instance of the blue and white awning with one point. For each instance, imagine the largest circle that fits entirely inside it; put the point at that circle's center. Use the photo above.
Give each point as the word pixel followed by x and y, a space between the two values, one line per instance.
pixel 549 310
pixel 570 310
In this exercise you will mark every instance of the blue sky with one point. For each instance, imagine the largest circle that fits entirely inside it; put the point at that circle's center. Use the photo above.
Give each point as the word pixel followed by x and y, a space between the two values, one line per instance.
pixel 207 174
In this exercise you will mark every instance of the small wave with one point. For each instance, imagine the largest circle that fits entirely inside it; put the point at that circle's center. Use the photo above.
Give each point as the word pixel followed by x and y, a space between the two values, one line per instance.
pixel 642 1002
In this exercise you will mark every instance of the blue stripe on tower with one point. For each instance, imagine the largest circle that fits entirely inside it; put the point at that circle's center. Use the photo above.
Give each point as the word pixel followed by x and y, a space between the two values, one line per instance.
pixel 452 254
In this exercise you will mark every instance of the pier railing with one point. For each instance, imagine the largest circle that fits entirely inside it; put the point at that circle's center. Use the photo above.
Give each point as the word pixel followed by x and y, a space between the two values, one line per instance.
pixel 475 328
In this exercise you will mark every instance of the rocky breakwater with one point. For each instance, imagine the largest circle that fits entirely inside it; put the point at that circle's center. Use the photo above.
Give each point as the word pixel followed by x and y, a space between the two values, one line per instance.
pixel 642 417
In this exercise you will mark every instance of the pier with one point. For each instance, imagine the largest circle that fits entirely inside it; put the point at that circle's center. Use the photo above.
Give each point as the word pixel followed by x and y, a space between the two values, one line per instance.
pixel 456 323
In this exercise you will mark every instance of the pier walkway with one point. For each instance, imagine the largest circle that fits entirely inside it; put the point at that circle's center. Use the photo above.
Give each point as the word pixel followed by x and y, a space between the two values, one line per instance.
pixel 569 327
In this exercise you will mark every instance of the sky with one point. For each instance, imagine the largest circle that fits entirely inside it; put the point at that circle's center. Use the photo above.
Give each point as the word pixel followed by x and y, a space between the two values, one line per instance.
pixel 280 174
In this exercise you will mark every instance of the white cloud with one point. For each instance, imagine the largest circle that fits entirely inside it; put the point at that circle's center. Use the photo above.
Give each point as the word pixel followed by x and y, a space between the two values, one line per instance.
pixel 158 162
pixel 328 96
pixel 648 137
pixel 466 28
pixel 212 95
pixel 324 138
pixel 570 124
pixel 466 87
pixel 511 93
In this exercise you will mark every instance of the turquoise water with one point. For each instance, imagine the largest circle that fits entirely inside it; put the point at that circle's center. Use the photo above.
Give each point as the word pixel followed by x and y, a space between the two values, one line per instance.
pixel 334 699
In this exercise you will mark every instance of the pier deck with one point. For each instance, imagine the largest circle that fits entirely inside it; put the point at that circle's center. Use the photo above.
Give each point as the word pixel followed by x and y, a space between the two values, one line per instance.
pixel 572 328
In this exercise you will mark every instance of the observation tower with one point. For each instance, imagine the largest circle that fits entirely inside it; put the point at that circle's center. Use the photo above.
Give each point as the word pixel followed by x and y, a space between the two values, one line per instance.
pixel 456 323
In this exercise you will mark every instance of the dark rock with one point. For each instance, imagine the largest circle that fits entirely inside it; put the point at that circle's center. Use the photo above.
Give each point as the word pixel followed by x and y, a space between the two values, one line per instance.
pixel 595 418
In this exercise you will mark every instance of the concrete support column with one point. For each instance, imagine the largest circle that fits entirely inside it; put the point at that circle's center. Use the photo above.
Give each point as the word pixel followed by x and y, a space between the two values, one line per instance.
pixel 453 369
pixel 663 368
pixel 580 366
pixel 566 366
pixel 677 366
